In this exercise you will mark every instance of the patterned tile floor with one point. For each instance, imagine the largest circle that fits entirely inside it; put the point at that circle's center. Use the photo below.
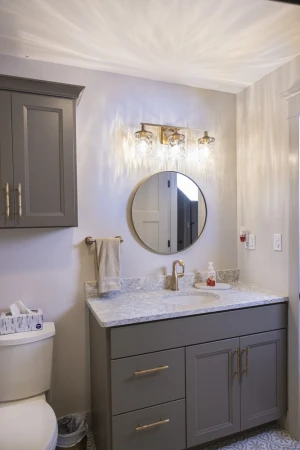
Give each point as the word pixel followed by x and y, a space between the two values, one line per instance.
pixel 267 438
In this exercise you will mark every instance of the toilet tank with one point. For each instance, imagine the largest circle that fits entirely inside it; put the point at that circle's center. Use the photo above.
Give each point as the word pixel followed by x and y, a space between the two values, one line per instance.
pixel 26 363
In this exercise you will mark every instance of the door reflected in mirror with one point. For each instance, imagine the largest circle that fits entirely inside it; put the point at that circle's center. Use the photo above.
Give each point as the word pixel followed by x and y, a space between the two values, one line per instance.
pixel 169 212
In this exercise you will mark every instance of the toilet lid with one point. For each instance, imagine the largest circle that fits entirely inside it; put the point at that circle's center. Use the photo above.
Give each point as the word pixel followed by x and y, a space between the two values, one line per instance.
pixel 27 425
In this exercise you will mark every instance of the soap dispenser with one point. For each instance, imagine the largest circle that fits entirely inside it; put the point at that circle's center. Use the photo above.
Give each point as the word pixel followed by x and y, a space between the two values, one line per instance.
pixel 211 276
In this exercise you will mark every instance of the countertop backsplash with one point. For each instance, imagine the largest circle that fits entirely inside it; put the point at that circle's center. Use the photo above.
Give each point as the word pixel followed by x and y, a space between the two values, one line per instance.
pixel 159 282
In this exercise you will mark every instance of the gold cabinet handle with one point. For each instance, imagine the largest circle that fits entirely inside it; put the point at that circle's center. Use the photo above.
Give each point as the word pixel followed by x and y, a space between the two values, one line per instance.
pixel 238 356
pixel 6 189
pixel 157 369
pixel 20 199
pixel 156 424
pixel 246 371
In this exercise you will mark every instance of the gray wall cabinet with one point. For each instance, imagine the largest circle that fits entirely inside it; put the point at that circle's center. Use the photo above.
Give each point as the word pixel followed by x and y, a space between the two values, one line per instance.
pixel 6 162
pixel 38 153
pixel 183 382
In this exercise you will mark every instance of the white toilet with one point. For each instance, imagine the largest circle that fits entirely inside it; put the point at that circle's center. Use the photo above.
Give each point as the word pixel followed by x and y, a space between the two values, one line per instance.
pixel 27 422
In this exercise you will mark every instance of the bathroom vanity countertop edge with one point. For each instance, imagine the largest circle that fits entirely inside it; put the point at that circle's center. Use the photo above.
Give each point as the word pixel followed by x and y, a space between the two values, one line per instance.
pixel 133 308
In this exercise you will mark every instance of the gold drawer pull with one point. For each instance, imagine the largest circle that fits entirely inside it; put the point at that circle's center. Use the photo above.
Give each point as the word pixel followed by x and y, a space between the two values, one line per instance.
pixel 157 369
pixel 246 371
pixel 156 424
pixel 20 199
pixel 6 189
pixel 238 371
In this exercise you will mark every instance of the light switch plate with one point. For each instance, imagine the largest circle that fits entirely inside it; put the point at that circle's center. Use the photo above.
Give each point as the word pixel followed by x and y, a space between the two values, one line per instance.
pixel 250 244
pixel 277 242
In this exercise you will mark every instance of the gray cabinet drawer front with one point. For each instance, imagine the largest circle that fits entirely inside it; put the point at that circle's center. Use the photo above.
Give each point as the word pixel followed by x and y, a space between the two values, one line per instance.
pixel 169 435
pixel 131 392
pixel 162 335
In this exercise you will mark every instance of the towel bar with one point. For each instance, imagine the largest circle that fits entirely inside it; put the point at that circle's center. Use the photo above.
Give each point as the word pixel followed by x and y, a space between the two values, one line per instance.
pixel 89 240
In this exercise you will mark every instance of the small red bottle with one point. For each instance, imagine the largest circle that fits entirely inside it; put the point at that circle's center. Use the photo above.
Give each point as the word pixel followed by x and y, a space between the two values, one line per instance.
pixel 211 280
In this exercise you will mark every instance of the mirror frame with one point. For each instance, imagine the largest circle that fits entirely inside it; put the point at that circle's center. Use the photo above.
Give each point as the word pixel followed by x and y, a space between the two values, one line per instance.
pixel 131 214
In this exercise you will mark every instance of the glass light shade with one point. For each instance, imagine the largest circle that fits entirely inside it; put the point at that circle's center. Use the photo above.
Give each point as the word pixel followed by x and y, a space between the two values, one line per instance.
pixel 143 143
pixel 206 147
pixel 176 148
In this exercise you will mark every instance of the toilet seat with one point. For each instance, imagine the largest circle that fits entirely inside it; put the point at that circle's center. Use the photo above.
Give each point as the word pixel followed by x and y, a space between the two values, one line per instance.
pixel 28 425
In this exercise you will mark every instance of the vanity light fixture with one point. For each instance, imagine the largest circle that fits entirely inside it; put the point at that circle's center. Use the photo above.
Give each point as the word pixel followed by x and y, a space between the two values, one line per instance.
pixel 176 149
pixel 170 135
pixel 205 146
pixel 143 143
pixel 206 140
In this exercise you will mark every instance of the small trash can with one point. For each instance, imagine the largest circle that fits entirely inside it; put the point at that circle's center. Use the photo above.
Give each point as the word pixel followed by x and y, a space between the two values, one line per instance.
pixel 72 431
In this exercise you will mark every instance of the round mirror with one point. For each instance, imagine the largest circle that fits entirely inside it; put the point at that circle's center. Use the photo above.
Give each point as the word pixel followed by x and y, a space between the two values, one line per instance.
pixel 169 212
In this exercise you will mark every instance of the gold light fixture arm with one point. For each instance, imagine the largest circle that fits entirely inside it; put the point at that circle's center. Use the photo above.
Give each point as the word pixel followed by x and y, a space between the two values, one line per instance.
pixel 167 130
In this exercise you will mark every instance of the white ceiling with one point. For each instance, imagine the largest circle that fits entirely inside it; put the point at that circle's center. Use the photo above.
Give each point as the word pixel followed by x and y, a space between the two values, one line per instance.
pixel 215 44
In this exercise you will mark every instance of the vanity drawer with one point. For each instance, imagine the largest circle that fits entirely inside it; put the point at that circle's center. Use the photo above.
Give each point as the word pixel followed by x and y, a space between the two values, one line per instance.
pixel 149 337
pixel 167 430
pixel 147 380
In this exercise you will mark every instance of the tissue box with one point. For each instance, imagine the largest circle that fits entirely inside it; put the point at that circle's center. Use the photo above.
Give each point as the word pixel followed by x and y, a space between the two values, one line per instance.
pixel 23 322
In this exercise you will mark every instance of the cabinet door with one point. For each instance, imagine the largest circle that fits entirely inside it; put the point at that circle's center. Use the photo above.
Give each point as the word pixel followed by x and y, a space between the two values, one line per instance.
pixel 212 391
pixel 6 164
pixel 263 385
pixel 44 161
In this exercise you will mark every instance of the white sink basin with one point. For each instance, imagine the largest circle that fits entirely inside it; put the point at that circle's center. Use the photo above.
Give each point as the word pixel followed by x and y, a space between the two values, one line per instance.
pixel 191 300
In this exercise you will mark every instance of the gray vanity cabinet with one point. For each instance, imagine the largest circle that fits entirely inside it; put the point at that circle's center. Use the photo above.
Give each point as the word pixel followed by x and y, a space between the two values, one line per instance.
pixel 263 381
pixel 212 391
pixel 6 162
pixel 38 153
pixel 178 383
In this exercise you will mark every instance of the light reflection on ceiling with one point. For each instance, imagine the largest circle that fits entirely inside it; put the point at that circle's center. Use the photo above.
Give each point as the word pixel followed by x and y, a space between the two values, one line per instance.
pixel 215 44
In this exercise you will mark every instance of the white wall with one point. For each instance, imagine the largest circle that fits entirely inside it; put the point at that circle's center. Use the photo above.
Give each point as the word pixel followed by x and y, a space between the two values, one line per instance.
pixel 263 176
pixel 47 268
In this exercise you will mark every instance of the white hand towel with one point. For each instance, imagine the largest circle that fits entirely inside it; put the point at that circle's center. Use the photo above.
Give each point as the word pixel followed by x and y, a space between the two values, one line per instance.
pixel 108 260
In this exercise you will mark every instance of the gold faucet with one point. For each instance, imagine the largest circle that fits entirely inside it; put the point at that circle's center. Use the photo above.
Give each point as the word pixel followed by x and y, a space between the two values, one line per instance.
pixel 175 275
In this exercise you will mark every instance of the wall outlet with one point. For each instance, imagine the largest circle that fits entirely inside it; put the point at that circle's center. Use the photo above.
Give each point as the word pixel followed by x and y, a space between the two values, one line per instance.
pixel 250 243
pixel 277 239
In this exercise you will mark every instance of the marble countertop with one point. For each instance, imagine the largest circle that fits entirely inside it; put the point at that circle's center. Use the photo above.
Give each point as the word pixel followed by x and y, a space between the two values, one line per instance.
pixel 136 307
